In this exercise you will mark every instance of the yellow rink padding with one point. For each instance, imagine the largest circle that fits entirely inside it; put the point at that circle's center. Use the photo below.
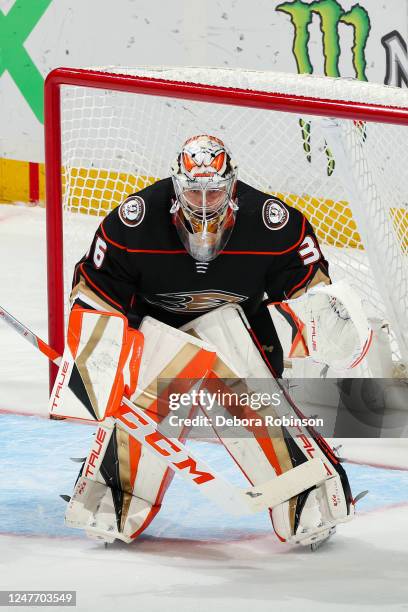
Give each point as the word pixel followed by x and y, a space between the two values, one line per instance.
pixel 41 181
pixel 97 191
pixel 332 221
pixel 14 181
pixel 400 223
pixel 334 224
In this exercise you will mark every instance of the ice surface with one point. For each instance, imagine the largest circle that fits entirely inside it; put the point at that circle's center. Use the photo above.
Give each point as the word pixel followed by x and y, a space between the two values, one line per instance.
pixel 191 556
pixel 28 442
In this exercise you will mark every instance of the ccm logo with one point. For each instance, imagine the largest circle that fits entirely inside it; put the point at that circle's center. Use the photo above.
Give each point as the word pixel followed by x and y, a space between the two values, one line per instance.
pixel 134 422
pixel 60 384
pixel 95 452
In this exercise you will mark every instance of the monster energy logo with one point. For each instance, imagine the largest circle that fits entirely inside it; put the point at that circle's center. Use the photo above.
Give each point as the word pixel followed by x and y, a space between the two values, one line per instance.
pixel 331 14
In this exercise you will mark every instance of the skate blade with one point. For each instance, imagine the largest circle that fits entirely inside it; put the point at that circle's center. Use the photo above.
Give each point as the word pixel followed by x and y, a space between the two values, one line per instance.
pixel 315 545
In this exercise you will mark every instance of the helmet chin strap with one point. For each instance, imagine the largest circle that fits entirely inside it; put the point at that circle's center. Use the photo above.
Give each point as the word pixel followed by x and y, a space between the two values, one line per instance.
pixel 174 207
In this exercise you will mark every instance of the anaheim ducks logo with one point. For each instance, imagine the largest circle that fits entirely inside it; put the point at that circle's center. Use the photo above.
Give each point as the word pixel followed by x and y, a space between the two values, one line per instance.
pixel 196 301
pixel 132 211
pixel 274 214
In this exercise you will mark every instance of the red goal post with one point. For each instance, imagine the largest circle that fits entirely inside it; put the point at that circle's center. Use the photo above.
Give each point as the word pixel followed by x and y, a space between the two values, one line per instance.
pixel 186 87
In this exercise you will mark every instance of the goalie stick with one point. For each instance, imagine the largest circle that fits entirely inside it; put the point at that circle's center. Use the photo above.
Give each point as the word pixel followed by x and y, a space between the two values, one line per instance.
pixel 30 336
pixel 233 499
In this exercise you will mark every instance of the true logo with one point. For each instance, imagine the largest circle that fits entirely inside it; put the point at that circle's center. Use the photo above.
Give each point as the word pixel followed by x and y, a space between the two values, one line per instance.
pixel 274 214
pixel 132 211
pixel 95 452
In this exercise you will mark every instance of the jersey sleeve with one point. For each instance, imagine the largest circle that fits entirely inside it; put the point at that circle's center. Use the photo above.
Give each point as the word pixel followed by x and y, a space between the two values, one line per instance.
pixel 103 278
pixel 302 267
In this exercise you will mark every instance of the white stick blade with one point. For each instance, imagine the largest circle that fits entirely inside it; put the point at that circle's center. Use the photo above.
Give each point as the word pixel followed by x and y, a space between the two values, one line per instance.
pixel 289 484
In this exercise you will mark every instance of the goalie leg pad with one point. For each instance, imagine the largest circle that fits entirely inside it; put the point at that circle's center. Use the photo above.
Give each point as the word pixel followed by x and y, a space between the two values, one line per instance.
pixel 310 516
pixel 120 488
pixel 123 484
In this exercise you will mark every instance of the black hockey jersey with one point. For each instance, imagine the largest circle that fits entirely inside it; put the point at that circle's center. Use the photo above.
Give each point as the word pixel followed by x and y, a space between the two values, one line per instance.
pixel 138 265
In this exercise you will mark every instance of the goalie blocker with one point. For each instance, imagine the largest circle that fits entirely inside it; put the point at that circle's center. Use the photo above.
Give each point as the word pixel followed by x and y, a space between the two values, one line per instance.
pixel 125 476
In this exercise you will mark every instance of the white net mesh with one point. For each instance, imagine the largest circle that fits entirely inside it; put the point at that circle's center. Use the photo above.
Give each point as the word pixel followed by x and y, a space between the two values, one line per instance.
pixel 347 177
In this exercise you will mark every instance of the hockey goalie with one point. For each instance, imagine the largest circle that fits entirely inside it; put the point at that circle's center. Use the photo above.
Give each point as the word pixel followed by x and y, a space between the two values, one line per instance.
pixel 198 279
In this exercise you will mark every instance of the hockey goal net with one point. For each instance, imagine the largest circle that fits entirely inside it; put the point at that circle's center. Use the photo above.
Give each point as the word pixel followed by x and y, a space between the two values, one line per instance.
pixel 336 149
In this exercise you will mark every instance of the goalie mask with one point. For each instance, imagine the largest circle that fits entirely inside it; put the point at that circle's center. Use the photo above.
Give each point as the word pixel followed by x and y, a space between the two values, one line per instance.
pixel 204 179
